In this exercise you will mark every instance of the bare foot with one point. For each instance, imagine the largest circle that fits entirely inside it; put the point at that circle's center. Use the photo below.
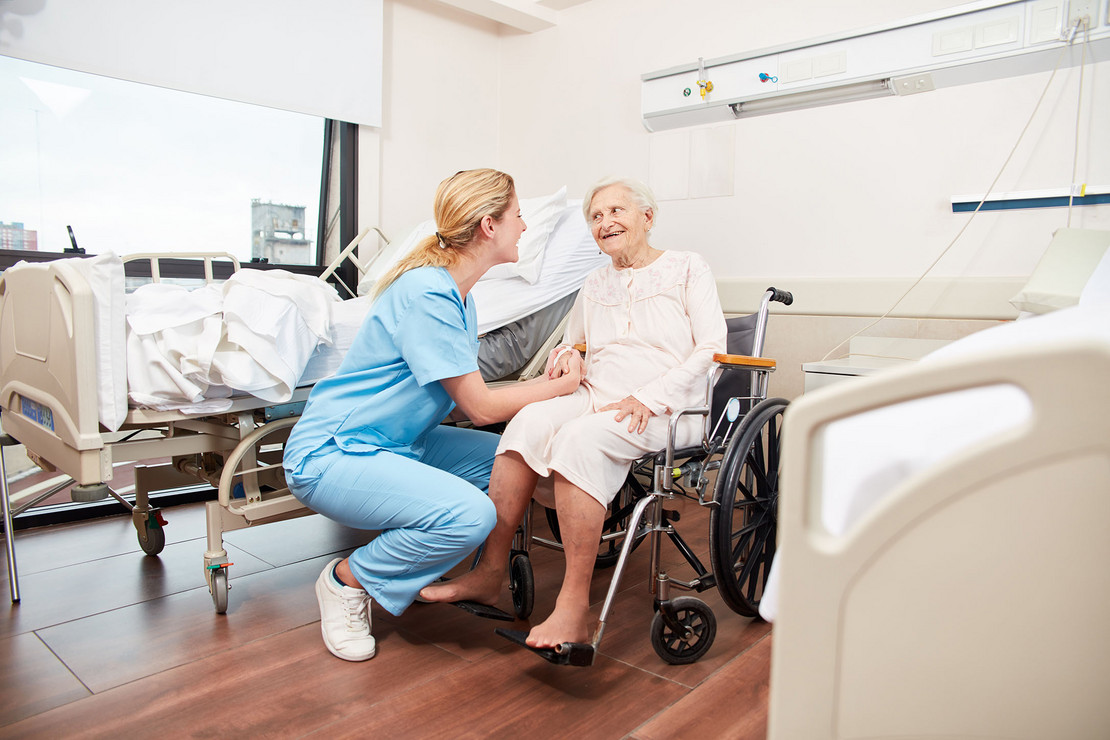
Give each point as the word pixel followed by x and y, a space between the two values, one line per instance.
pixel 481 585
pixel 563 625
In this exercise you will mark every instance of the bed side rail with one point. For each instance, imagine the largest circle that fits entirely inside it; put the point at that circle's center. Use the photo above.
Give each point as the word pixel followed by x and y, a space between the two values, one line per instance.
pixel 348 253
pixel 207 257
pixel 48 386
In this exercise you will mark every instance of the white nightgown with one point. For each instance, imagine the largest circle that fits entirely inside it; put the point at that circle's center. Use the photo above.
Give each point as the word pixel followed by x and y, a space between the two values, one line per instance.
pixel 650 333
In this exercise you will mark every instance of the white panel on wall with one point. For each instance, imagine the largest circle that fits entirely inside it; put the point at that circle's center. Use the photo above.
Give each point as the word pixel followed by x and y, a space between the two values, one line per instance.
pixel 1044 21
pixel 711 162
pixel 996 33
pixel 954 41
pixel 322 59
pixel 670 165
pixel 692 164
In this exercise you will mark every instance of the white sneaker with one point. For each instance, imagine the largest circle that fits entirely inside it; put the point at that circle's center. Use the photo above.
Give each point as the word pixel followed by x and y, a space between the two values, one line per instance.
pixel 344 617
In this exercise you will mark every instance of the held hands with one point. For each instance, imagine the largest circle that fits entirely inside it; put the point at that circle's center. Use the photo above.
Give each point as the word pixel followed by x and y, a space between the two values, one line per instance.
pixel 563 360
pixel 636 411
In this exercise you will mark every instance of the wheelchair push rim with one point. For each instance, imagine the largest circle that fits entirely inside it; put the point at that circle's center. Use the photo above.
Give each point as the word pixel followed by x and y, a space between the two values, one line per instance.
pixel 742 526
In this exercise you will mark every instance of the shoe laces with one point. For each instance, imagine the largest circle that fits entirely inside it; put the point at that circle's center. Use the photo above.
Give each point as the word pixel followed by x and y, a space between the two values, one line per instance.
pixel 355 613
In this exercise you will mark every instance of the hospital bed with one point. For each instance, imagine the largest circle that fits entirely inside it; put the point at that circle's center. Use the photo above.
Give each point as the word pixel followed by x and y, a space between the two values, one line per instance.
pixel 64 386
pixel 942 542
pixel 65 378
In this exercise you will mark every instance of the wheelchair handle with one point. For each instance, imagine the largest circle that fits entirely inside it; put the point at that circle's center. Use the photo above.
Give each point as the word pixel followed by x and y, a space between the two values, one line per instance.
pixel 781 296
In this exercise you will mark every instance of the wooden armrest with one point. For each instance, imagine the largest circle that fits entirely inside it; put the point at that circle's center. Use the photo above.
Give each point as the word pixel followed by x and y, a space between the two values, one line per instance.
pixel 580 347
pixel 744 361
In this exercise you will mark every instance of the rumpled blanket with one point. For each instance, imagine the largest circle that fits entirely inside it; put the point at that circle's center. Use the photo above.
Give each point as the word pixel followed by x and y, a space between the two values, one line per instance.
pixel 190 350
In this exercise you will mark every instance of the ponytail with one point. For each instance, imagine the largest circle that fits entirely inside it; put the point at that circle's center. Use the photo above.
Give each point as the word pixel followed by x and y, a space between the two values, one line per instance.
pixel 461 202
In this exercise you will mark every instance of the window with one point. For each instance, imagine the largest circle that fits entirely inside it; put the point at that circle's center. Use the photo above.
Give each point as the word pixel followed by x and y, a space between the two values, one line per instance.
pixel 135 168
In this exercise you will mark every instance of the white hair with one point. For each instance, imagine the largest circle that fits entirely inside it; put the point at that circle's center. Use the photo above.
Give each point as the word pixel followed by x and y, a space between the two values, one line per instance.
pixel 640 192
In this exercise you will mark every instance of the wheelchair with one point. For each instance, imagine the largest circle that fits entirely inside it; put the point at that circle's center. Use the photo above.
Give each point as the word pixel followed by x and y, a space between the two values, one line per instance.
pixel 741 446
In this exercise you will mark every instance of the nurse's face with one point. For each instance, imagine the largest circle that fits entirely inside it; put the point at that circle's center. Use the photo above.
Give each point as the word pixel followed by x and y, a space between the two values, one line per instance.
pixel 507 232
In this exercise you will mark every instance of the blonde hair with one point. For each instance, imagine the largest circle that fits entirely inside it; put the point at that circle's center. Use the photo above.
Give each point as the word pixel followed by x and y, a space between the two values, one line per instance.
pixel 462 201
pixel 640 192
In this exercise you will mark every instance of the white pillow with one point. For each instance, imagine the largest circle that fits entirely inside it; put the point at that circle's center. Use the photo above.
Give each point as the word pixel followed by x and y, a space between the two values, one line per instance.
pixel 1063 270
pixel 540 216
pixel 1097 290
pixel 392 254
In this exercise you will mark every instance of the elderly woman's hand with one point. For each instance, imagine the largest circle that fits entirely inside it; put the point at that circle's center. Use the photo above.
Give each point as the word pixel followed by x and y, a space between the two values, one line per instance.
pixel 630 407
pixel 564 360
pixel 569 380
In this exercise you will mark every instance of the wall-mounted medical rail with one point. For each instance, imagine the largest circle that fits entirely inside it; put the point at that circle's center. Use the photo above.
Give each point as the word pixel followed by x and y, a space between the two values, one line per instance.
pixel 980 41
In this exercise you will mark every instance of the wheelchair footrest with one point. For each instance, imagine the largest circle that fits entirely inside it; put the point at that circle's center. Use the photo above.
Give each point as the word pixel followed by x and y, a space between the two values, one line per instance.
pixel 483 610
pixel 568 653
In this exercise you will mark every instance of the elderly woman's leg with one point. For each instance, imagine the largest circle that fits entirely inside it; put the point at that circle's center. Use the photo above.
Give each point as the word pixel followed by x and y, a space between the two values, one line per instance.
pixel 581 517
pixel 516 469
pixel 510 489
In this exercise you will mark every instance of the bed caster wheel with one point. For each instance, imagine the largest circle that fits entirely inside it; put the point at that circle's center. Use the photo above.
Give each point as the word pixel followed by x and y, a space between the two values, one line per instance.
pixel 683 630
pixel 152 538
pixel 219 587
pixel 522 585
pixel 95 492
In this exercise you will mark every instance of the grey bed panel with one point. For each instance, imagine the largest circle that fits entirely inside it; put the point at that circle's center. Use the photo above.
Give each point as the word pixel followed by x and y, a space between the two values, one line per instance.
pixel 504 351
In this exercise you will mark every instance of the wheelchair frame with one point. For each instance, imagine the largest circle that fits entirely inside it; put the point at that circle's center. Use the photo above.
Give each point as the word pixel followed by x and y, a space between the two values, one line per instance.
pixel 745 455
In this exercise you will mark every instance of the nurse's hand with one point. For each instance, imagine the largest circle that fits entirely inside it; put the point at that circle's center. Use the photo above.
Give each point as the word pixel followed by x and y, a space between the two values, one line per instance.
pixel 564 360
pixel 569 379
pixel 637 413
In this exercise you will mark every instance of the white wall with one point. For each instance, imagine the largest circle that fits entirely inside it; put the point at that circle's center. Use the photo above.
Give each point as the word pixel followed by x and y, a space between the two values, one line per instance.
pixel 859 190
pixel 854 191
pixel 441 99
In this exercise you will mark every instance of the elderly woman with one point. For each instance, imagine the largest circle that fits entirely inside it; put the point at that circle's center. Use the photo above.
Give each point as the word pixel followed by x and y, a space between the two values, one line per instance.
pixel 651 323
pixel 369 450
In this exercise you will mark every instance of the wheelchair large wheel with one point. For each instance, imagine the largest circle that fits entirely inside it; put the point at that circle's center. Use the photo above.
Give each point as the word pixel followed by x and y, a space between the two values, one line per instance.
pixel 616 521
pixel 742 534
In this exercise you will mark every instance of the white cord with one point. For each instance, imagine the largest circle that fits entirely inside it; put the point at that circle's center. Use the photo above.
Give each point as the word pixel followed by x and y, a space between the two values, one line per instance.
pixel 1078 106
pixel 973 213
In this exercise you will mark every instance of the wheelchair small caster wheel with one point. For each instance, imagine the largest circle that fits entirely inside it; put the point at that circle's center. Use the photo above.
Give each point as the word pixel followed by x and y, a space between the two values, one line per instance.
pixel 219 588
pixel 522 585
pixel 697 627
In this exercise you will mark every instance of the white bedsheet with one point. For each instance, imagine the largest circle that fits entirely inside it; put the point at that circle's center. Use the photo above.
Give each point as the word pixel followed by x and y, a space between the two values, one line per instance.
pixel 254 334
pixel 346 318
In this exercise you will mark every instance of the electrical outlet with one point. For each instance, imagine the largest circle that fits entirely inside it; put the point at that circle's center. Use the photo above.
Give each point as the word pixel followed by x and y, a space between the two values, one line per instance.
pixel 1086 10
pixel 912 84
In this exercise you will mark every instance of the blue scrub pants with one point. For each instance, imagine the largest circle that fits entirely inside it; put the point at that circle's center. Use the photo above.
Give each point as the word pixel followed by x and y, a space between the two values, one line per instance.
pixel 432 512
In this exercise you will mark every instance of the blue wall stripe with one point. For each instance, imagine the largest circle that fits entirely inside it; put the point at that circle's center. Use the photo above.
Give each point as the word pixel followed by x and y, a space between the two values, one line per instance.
pixel 1052 202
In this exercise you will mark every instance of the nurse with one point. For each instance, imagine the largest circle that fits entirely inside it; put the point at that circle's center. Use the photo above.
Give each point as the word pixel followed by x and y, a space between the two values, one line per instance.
pixel 369 450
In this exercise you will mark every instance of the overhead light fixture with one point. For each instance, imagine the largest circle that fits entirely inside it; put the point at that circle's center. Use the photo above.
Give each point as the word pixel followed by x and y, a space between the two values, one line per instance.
pixel 813 98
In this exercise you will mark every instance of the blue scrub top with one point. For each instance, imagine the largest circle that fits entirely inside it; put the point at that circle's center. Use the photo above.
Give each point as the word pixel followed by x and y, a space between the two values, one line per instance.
pixel 385 394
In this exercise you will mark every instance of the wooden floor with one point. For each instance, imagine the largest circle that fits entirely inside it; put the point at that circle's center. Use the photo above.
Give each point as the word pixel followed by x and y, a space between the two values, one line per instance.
pixel 107 642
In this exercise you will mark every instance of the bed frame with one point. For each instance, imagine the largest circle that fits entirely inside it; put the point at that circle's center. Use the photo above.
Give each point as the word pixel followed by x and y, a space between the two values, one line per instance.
pixel 973 600
pixel 48 397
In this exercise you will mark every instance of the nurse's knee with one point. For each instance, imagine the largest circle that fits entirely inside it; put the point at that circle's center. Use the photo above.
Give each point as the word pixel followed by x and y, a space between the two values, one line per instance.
pixel 475 521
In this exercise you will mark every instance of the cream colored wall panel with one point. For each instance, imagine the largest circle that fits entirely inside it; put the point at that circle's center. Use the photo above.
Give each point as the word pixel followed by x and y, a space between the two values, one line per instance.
pixel 956 298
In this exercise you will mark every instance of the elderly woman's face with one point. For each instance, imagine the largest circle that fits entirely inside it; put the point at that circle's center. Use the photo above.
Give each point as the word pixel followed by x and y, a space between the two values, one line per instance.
pixel 619 226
